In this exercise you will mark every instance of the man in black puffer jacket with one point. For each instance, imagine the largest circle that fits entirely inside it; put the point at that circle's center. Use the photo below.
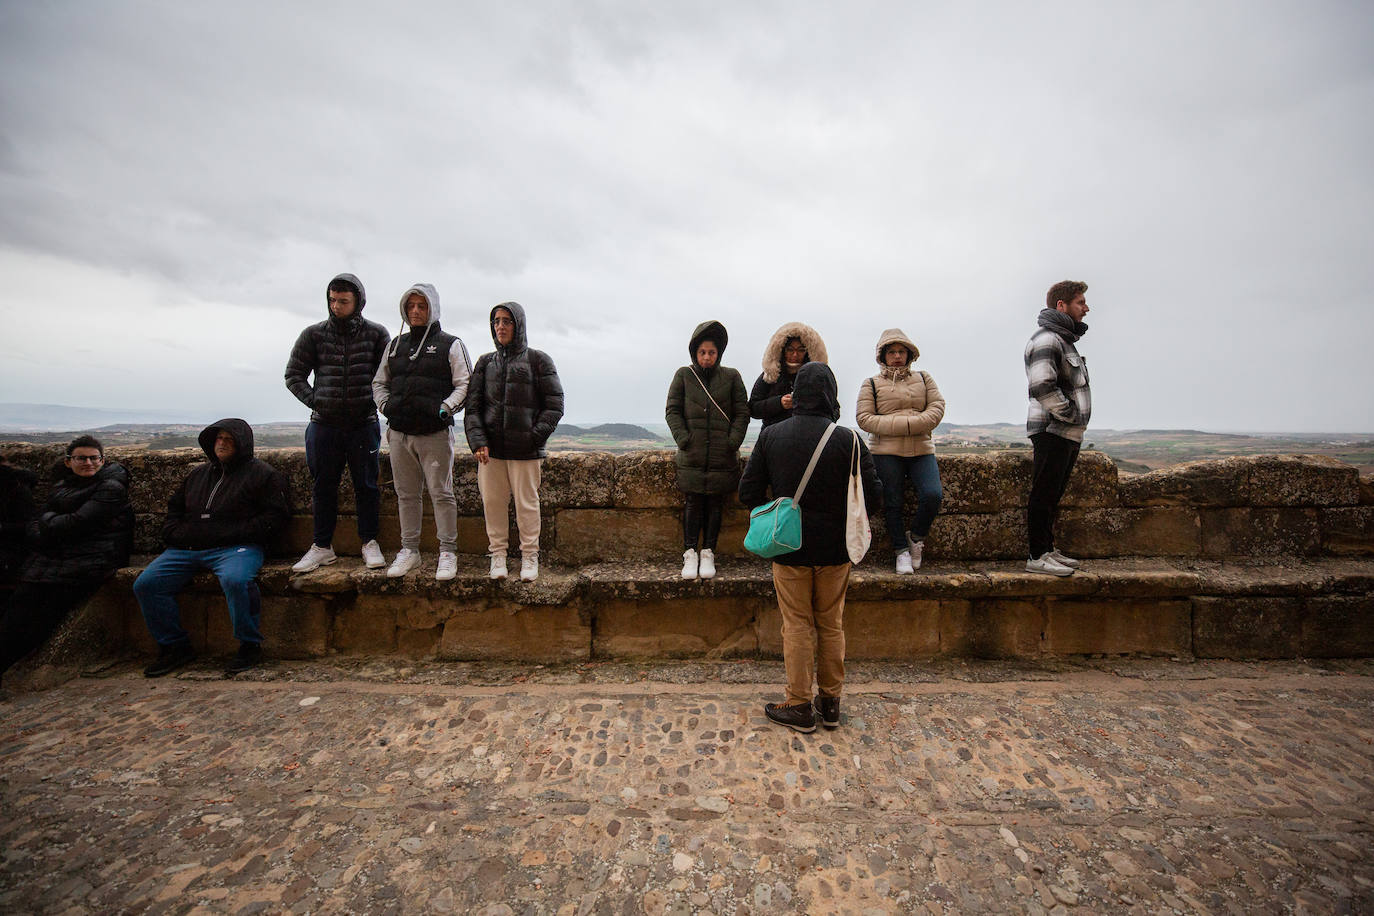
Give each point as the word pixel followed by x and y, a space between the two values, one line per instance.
pixel 82 534
pixel 514 404
pixel 343 352
pixel 811 582
pixel 221 518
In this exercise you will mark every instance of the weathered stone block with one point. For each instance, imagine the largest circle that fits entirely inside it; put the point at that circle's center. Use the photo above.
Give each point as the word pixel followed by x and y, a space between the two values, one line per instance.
pixel 1260 532
pixel 1224 482
pixel 582 480
pixel 509 630
pixel 646 480
pixel 1154 532
pixel 1247 627
pixel 1338 627
pixel 1348 531
pixel 590 535
pixel 366 625
pixel 890 629
pixel 1303 480
pixel 676 628
pixel 1114 626
pixel 1367 489
pixel 991 482
pixel 995 628
pixel 990 536
pixel 419 643
pixel 295 627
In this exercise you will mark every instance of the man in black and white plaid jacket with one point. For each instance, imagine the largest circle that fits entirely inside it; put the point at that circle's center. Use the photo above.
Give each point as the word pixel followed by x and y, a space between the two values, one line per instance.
pixel 1060 406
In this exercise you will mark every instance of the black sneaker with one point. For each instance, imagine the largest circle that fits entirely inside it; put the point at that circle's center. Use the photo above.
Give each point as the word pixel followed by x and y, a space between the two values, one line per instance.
pixel 169 659
pixel 801 717
pixel 828 711
pixel 248 656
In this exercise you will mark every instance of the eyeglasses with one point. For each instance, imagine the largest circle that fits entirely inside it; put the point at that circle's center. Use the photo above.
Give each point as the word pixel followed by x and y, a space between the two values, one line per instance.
pixel 497 322
pixel 89 459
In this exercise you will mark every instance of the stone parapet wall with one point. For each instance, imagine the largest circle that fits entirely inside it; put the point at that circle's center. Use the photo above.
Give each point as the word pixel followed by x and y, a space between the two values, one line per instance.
pixel 605 508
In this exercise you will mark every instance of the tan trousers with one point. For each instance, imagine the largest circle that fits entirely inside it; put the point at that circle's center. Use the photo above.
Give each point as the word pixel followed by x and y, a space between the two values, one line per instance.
pixel 811 599
pixel 424 461
pixel 498 480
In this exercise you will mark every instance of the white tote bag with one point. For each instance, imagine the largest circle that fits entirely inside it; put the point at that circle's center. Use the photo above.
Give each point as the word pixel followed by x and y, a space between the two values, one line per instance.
pixel 857 533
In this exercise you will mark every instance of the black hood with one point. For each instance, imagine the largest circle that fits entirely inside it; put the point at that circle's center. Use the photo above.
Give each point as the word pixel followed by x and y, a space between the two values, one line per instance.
pixel 708 330
pixel 518 343
pixel 239 429
pixel 358 290
pixel 815 393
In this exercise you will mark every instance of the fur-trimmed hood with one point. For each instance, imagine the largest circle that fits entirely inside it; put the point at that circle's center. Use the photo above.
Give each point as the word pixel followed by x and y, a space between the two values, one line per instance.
pixel 895 336
pixel 772 353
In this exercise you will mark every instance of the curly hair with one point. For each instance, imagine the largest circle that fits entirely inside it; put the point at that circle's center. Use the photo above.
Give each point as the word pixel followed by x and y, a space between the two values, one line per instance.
pixel 85 442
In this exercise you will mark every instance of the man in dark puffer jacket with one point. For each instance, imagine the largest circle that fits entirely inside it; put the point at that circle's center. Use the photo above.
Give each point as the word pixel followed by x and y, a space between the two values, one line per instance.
pixel 515 401
pixel 221 518
pixel 343 352
pixel 82 534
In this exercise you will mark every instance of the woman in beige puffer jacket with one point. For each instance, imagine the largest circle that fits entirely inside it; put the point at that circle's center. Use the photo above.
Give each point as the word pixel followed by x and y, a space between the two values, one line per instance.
pixel 898 408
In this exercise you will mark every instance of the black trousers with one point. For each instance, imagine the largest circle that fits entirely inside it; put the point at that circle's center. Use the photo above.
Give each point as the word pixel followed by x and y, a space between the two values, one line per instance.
pixel 1053 461
pixel 34 612
pixel 701 515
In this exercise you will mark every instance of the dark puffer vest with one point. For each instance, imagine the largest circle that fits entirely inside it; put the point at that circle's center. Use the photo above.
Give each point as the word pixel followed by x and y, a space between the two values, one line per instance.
pixel 515 399
pixel 344 354
pixel 419 384
pixel 85 529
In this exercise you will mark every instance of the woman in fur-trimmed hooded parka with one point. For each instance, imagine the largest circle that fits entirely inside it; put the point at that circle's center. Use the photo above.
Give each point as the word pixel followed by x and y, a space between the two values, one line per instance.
pixel 792 346
pixel 898 408
pixel 708 413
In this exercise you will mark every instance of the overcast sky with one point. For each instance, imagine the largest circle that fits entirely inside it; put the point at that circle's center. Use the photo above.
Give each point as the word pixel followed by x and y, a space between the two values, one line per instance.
pixel 179 181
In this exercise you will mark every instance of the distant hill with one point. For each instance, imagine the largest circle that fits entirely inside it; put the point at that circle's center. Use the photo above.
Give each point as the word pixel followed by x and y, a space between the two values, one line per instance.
pixel 21 418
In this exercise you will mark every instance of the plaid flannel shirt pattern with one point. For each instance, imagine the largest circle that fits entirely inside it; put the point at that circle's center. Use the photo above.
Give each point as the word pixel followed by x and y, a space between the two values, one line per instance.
pixel 1057 376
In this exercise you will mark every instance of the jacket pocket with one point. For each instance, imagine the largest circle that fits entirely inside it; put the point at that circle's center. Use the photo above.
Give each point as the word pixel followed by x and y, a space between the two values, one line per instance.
pixel 1078 368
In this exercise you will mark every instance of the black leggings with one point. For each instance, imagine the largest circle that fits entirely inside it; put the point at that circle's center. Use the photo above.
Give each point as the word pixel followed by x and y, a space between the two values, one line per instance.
pixel 701 510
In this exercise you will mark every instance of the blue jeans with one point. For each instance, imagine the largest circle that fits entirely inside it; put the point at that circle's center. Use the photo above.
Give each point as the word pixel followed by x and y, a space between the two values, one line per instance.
pixel 924 473
pixel 237 568
pixel 328 449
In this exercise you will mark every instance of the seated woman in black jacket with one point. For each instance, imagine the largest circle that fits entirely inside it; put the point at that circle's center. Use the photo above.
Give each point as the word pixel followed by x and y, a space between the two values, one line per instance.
pixel 82 534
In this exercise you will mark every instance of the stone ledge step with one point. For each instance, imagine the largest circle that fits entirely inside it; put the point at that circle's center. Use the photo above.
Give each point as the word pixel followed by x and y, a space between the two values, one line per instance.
pixel 1114 578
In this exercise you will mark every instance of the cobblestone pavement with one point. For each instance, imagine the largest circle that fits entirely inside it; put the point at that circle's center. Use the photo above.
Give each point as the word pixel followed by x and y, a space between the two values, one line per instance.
pixel 378 787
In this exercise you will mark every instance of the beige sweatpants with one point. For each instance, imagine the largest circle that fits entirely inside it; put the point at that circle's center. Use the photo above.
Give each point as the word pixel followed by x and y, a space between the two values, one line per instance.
pixel 498 480
pixel 428 461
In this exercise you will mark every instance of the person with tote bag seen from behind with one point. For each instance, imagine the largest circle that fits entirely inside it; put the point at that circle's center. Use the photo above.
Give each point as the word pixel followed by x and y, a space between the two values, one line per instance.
pixel 708 413
pixel 811 581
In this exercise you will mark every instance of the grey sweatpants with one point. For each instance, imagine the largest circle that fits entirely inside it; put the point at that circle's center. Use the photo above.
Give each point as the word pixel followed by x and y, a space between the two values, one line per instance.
pixel 429 460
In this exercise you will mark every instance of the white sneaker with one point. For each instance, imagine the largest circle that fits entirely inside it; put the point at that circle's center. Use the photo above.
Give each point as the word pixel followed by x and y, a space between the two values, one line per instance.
pixel 405 561
pixel 529 568
pixel 917 548
pixel 904 567
pixel 372 555
pixel 314 558
pixel 498 566
pixel 706 567
pixel 689 564
pixel 448 566
pixel 1047 565
pixel 1062 560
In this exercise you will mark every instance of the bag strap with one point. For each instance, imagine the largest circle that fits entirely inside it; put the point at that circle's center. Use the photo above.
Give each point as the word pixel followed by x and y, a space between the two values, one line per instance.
pixel 708 395
pixel 815 456
pixel 874 385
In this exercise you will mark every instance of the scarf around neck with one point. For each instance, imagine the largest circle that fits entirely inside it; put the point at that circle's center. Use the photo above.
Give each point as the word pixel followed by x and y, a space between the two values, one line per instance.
pixel 1061 324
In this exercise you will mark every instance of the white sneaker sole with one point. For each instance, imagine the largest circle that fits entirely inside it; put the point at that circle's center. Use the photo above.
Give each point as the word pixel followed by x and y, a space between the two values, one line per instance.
pixel 305 569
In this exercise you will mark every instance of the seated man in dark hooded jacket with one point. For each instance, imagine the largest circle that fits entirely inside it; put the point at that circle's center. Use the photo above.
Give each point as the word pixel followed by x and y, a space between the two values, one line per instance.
pixel 80 537
pixel 16 509
pixel 811 582
pixel 221 518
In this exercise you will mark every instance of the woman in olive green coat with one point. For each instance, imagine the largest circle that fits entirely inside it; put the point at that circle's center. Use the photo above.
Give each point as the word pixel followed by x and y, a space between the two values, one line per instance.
pixel 708 413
